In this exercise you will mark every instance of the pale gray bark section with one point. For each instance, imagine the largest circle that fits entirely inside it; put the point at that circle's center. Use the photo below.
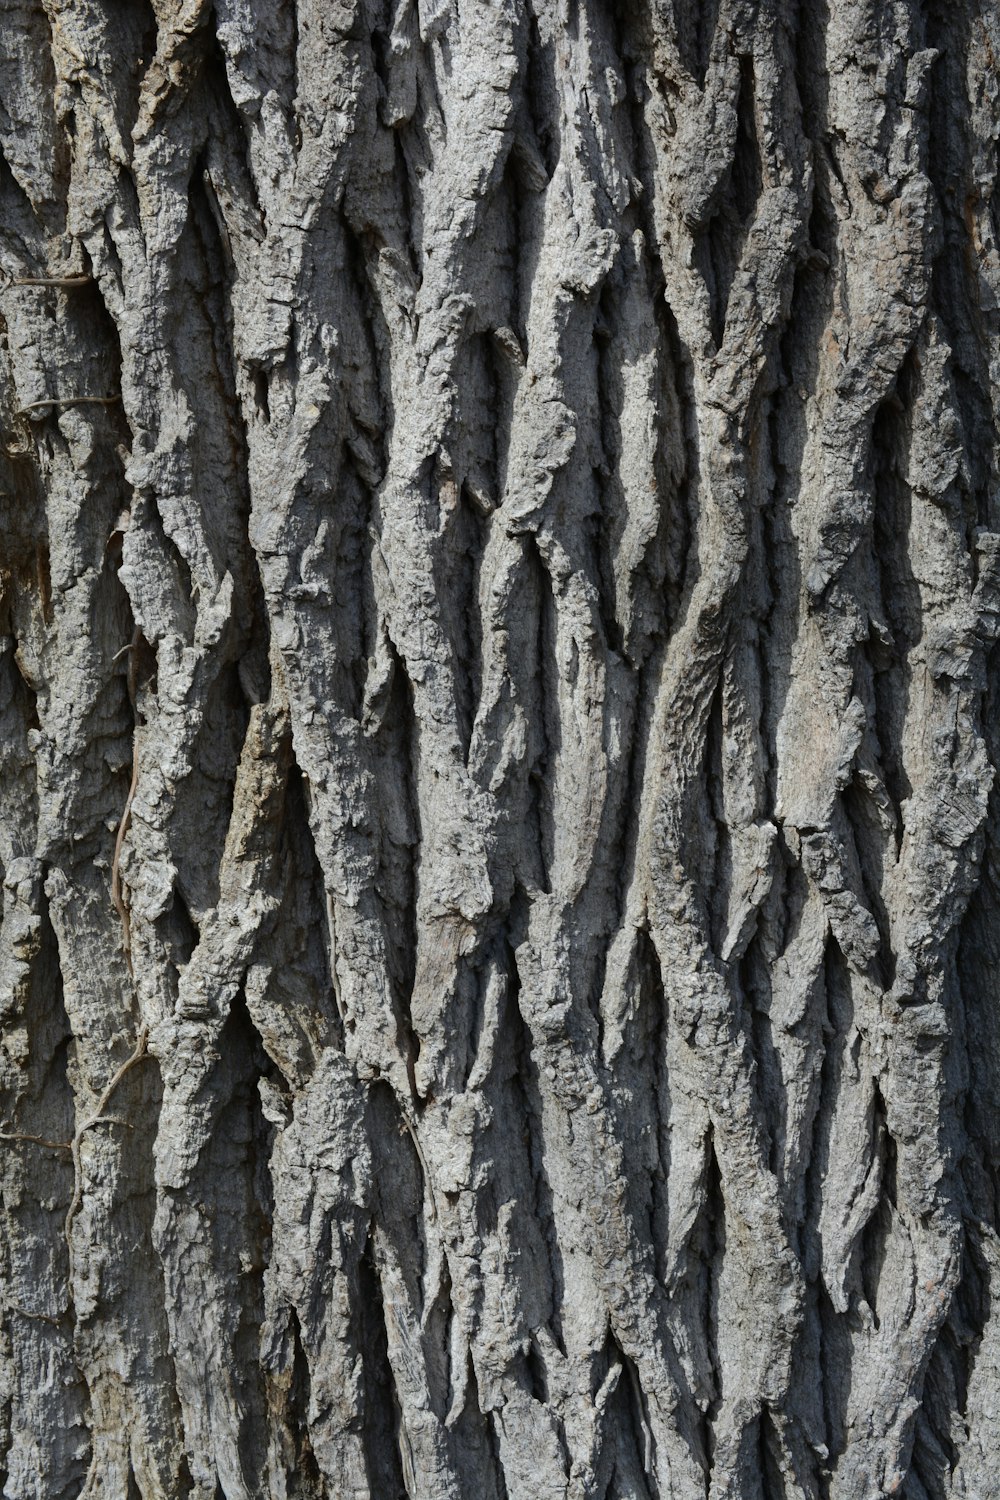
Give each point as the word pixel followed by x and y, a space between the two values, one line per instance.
pixel 500 947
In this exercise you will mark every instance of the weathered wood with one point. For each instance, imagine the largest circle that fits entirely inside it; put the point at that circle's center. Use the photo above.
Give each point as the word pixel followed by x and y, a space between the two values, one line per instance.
pixel 541 838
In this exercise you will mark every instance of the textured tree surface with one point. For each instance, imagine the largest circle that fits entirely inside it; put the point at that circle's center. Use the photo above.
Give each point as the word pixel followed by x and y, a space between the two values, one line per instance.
pixel 500 944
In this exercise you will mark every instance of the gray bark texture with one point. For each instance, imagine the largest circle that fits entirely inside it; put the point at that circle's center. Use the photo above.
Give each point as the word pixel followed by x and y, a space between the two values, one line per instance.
pixel 500 947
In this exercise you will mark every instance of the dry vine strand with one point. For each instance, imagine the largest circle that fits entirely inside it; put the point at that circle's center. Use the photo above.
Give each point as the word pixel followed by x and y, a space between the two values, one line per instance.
pixel 126 817
pixel 96 1117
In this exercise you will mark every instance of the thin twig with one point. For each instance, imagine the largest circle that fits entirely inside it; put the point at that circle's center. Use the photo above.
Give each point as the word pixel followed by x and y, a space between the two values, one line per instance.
pixel 94 1118
pixel 126 818
pixel 42 1317
pixel 80 278
pixel 423 1162
pixel 62 401
pixel 38 1140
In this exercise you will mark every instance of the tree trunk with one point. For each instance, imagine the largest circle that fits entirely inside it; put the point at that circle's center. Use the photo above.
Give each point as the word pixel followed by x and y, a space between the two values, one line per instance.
pixel 501 911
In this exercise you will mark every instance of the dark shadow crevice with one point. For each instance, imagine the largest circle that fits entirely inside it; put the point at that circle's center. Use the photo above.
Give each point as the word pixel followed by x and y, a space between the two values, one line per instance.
pixel 627 1419
pixel 398 749
pixel 236 1155
pixel 543 716
pixel 381 1415
pixel 525 1095
pixel 873 1242
pixel 720 244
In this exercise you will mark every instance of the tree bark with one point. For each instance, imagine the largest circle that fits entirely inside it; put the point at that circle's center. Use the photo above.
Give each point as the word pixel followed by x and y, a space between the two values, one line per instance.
pixel 500 946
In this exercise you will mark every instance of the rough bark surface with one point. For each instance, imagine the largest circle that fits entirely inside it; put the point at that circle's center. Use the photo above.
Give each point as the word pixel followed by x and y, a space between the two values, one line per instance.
pixel 500 946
